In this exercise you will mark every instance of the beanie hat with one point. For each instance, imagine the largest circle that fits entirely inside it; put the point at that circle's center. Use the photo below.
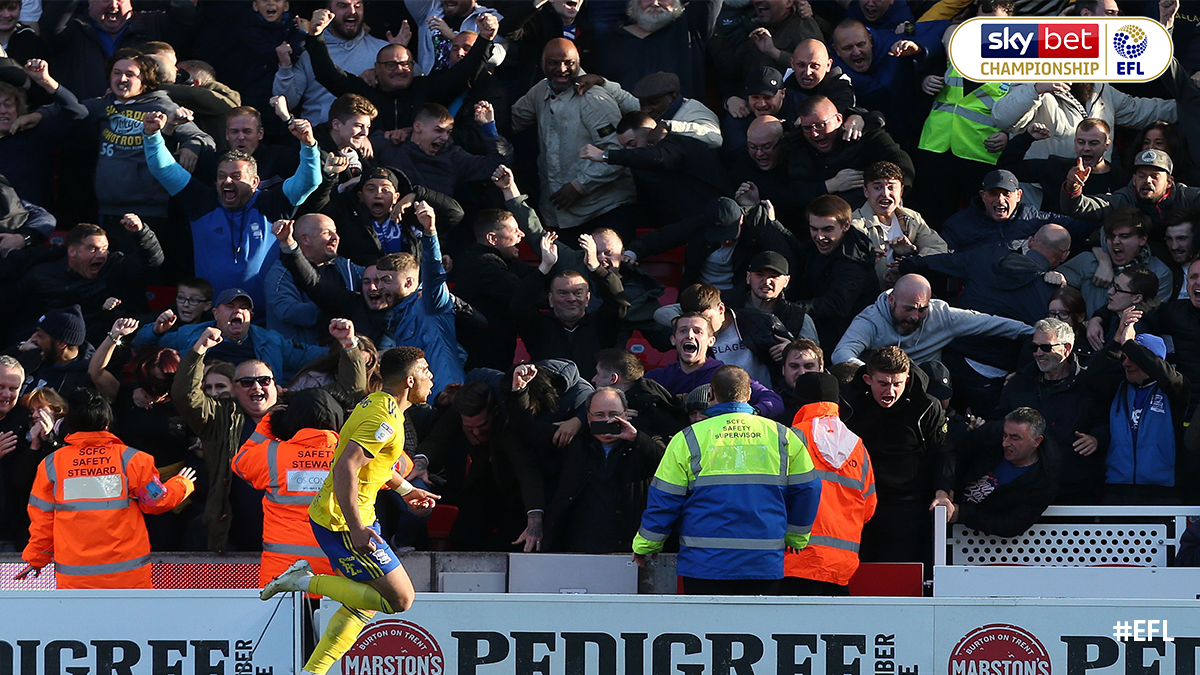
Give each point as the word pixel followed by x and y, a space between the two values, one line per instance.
pixel 65 325
pixel 817 387
pixel 698 399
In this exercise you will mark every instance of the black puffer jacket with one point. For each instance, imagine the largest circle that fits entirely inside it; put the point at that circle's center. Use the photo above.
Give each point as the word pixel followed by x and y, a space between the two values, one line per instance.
pixel 906 442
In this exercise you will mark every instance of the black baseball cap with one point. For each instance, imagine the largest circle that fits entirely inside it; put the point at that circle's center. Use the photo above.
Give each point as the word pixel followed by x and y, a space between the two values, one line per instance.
pixel 764 82
pixel 1004 180
pixel 722 220
pixel 769 260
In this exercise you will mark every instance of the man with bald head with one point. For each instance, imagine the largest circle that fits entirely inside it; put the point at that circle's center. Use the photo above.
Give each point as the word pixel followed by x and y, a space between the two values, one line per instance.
pixel 290 310
pixel 575 191
pixel 813 73
pixel 825 162
pixel 761 173
pixel 398 92
pixel 907 316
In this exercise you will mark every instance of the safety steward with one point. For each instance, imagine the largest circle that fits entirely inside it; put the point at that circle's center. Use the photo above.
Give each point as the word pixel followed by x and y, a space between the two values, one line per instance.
pixel 288 457
pixel 738 488
pixel 87 502
pixel 825 566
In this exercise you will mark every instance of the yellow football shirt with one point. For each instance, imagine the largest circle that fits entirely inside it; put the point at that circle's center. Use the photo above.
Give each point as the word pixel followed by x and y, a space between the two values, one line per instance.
pixel 378 426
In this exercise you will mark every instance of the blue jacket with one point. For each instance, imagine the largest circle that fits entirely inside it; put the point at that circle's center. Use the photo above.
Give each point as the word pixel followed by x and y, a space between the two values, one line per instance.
pixel 971 226
pixel 425 319
pixel 996 280
pixel 738 488
pixel 291 313
pixel 284 356
pixel 1152 456
pixel 234 249
pixel 1148 458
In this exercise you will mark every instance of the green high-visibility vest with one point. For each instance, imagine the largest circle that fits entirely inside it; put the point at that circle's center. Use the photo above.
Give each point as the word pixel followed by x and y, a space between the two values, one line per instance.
pixel 961 123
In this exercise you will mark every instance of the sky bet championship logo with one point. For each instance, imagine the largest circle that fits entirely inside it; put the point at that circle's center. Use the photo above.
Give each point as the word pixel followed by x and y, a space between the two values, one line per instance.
pixel 1118 49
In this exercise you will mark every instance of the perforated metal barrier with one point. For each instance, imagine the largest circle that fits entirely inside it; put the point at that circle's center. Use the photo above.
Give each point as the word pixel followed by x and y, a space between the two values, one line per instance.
pixel 1064 546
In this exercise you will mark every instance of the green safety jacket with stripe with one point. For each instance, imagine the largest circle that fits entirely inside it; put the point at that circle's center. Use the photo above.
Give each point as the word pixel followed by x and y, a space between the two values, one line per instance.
pixel 960 123
pixel 738 488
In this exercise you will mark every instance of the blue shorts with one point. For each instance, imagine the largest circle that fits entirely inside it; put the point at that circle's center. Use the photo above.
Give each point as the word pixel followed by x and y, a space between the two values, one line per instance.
pixel 351 563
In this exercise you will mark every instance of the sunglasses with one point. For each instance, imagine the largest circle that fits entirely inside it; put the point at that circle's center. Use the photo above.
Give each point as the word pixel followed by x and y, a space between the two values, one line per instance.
pixel 1047 348
pixel 262 380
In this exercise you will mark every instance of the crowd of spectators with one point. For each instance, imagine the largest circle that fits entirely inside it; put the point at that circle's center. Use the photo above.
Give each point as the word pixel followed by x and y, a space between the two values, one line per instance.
pixel 628 195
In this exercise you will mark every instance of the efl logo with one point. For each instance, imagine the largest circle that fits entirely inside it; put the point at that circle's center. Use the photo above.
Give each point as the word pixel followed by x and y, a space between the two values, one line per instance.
pixel 1040 41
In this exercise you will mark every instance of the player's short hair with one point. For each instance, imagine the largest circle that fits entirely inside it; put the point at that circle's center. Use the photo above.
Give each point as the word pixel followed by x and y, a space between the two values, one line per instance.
pixel 397 363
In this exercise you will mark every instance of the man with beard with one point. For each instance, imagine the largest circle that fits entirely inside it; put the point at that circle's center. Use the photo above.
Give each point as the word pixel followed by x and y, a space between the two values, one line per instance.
pixel 569 331
pixel 430 159
pixel 1093 138
pixel 767 278
pixel 1057 386
pixel 763 34
pixel 397 90
pixel 57 354
pixel 356 51
pixel 375 217
pixel 575 192
pixel 238 340
pixel 693 336
pixel 825 162
pixel 230 222
pixel 895 232
pixel 997 216
pixel 907 316
pixel 1179 230
pixel 290 310
pixel 1062 106
pixel 369 308
pixel 91 277
pixel 1125 233
pixel 81 42
pixel 662 35
pixel 244 133
pixel 1152 190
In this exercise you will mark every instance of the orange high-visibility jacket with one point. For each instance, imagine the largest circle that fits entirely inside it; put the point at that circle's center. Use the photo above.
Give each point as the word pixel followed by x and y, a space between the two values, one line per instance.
pixel 85 512
pixel 847 496
pixel 291 473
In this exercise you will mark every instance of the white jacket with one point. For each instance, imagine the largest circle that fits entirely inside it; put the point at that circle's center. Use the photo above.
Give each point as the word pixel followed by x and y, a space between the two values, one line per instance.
pixel 1063 112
